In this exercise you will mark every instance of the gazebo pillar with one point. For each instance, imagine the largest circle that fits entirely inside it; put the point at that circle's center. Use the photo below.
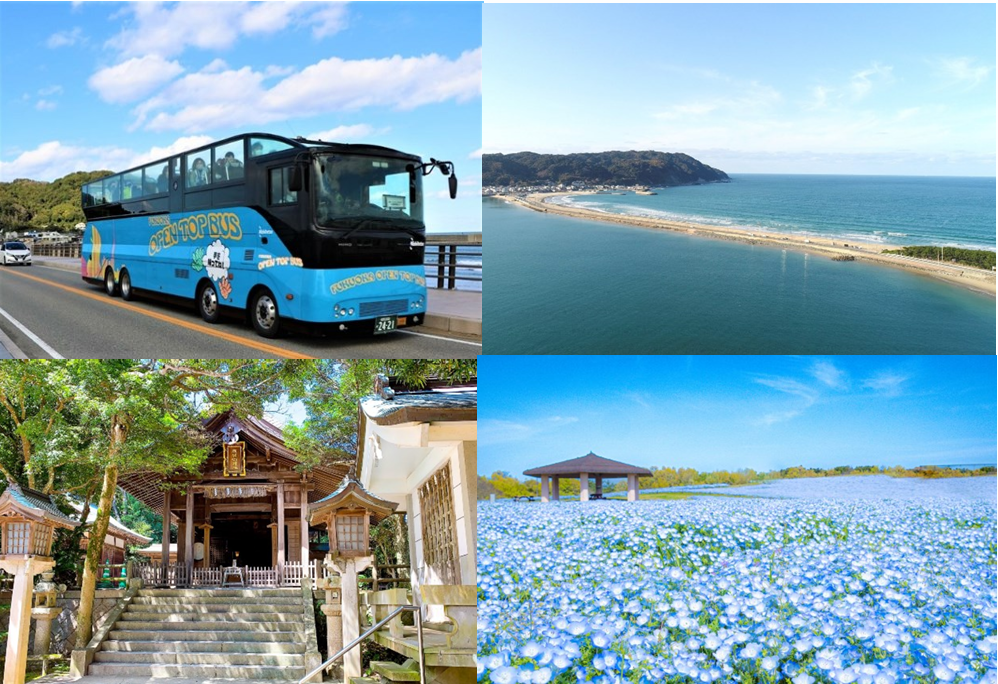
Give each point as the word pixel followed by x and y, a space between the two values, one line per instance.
pixel 599 486
pixel 632 487
pixel 555 496
pixel 544 488
pixel 583 486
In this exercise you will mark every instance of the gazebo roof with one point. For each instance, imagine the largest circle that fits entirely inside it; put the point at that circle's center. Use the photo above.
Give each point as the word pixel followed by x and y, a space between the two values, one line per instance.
pixel 591 464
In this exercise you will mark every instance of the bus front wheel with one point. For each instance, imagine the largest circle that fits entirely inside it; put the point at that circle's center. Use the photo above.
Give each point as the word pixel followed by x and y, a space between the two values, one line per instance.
pixel 109 285
pixel 208 303
pixel 264 314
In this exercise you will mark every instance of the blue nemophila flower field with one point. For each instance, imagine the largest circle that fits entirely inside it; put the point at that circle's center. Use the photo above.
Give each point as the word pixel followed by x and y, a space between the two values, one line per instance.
pixel 719 589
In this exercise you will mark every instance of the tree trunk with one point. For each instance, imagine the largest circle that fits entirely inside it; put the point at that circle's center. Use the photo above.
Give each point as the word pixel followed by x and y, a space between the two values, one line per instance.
pixel 95 541
pixel 95 545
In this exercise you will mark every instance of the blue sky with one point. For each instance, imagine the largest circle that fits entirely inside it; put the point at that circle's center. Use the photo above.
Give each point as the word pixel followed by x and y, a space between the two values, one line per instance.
pixel 845 88
pixel 109 85
pixel 721 412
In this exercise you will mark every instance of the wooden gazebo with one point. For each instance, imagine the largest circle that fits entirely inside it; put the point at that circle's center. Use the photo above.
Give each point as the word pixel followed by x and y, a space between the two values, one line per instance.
pixel 585 467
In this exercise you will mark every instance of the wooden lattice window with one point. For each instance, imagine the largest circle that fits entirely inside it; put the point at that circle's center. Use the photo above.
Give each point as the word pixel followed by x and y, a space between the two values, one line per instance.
pixel 351 537
pixel 18 538
pixel 40 540
pixel 436 506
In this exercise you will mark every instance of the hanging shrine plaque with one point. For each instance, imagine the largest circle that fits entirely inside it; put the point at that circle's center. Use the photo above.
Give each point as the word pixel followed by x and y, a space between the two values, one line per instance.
pixel 234 460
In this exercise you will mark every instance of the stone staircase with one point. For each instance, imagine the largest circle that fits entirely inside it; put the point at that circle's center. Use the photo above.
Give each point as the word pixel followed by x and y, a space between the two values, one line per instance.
pixel 207 633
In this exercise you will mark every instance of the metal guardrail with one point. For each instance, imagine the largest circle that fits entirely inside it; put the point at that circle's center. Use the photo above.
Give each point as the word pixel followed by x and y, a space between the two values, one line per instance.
pixel 443 258
pixel 381 623
pixel 56 249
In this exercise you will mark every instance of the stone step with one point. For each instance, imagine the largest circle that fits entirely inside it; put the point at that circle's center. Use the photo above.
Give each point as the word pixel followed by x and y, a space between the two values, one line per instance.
pixel 230 601
pixel 196 671
pixel 221 593
pixel 290 608
pixel 214 626
pixel 197 616
pixel 193 634
pixel 204 646
pixel 168 658
pixel 364 680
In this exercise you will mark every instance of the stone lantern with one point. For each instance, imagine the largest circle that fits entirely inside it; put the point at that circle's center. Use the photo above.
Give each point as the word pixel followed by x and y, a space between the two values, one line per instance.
pixel 28 520
pixel 347 514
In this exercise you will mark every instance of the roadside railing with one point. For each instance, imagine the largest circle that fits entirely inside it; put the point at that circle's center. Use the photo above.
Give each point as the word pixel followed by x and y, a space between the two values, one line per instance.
pixel 453 257
pixel 60 249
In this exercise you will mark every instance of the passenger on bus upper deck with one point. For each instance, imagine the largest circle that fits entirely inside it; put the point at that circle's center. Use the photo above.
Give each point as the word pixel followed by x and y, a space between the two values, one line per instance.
pixel 111 193
pixel 228 168
pixel 163 182
pixel 199 173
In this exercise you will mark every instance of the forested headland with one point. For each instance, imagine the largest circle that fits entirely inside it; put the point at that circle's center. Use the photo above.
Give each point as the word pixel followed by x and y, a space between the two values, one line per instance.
pixel 649 168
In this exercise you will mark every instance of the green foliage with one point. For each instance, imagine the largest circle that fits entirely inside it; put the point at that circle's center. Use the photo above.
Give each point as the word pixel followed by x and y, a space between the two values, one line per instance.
pixel 655 169
pixel 68 551
pixel 330 390
pixel 977 258
pixel 36 204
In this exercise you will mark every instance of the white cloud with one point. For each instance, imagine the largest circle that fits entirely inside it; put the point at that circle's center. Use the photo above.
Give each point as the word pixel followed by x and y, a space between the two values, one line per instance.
pixel 827 373
pixel 862 81
pixel 477 154
pixel 745 98
pixel 329 20
pixel 354 132
pixel 792 387
pixel 887 383
pixel 230 98
pixel 179 145
pixel 65 38
pixel 168 30
pixel 134 78
pixel 503 431
pixel 267 17
pixel 963 71
pixel 54 159
pixel 45 105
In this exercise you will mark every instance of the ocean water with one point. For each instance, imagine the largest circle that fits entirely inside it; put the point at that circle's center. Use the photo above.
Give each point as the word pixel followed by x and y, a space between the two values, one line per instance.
pixel 892 210
pixel 564 285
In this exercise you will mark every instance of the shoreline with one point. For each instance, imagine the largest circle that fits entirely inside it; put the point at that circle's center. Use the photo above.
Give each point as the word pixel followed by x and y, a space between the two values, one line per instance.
pixel 970 278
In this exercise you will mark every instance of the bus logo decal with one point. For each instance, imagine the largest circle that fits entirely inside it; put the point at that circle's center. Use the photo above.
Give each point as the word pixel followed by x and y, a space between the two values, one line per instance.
pixel 223 225
pixel 379 275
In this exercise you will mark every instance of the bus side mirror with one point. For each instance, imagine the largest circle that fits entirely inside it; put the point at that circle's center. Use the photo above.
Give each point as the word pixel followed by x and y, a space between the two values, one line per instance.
pixel 294 183
pixel 452 185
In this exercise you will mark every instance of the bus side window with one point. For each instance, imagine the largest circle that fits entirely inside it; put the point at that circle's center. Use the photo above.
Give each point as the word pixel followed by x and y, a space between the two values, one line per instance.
pixel 131 185
pixel 279 193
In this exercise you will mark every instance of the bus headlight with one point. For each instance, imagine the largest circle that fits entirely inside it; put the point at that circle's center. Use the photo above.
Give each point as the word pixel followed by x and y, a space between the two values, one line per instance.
pixel 350 312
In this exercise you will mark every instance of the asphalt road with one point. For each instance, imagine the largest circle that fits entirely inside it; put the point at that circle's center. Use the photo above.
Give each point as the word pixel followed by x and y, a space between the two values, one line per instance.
pixel 62 314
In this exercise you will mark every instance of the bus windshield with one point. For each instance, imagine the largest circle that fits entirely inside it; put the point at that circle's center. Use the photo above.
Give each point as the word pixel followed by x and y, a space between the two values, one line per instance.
pixel 352 188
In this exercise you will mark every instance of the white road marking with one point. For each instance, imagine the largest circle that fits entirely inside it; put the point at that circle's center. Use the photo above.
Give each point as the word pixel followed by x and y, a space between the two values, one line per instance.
pixel 32 336
pixel 437 337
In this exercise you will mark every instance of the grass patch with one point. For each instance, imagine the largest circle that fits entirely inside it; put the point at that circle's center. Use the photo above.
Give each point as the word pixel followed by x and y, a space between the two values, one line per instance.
pixel 682 496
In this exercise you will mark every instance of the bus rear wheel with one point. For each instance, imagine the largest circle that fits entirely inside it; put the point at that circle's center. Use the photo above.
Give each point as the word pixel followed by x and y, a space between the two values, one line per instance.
pixel 109 285
pixel 125 285
pixel 208 303
pixel 264 314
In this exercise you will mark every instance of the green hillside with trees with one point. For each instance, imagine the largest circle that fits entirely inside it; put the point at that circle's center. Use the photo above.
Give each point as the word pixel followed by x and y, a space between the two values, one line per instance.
pixel 654 169
pixel 29 204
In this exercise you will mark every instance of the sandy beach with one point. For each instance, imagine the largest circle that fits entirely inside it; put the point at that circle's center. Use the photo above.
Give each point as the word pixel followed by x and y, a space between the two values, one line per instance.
pixel 971 278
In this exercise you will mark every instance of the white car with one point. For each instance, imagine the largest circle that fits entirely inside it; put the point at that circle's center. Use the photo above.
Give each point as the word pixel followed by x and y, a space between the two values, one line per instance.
pixel 15 253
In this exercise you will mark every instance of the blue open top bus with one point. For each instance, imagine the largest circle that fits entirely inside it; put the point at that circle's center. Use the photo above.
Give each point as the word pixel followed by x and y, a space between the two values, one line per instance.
pixel 289 231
